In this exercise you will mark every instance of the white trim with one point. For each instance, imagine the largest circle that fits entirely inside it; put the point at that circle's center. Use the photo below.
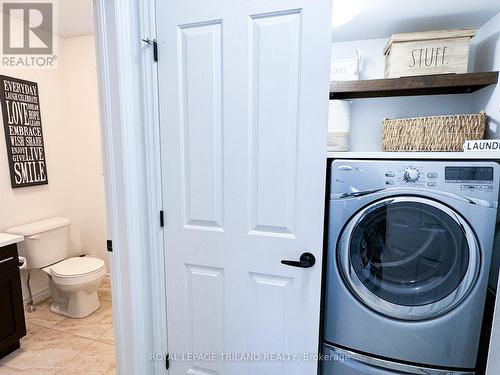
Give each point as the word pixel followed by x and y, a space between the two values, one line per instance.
pixel 129 126
pixel 155 196
pixel 102 12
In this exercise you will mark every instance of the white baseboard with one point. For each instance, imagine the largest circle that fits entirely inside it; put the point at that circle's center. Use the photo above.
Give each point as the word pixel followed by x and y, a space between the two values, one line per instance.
pixel 39 296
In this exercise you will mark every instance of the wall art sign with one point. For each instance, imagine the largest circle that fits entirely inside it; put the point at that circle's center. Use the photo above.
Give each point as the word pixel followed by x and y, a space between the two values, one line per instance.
pixel 23 132
pixel 489 145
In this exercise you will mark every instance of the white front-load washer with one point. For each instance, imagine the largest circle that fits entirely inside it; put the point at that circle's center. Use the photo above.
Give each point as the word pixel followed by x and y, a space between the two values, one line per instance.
pixel 409 249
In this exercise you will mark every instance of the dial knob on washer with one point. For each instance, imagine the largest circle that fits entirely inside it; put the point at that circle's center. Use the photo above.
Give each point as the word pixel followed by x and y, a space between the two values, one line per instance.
pixel 411 175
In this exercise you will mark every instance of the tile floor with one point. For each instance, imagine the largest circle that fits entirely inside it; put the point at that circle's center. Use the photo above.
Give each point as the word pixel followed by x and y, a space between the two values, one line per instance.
pixel 55 345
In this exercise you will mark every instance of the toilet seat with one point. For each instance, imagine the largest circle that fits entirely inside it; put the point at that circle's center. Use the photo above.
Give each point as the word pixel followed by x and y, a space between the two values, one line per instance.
pixel 76 267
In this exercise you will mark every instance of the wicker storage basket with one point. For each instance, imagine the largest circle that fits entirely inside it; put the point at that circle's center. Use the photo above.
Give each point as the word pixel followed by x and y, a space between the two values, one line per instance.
pixel 433 133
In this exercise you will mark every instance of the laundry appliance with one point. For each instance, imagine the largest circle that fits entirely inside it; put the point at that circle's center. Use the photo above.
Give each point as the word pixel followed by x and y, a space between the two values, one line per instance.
pixel 409 250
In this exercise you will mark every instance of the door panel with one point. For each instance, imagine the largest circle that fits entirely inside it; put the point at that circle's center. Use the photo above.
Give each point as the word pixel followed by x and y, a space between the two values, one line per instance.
pixel 206 313
pixel 201 86
pixel 272 292
pixel 243 116
pixel 275 73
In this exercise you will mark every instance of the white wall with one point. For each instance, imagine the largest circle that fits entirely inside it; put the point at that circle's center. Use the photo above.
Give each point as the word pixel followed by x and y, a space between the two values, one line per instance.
pixel 70 124
pixel 367 114
pixel 82 114
pixel 22 205
pixel 32 203
pixel 486 49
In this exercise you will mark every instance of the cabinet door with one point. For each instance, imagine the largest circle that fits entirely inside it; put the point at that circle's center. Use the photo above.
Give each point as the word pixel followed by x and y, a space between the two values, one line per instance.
pixel 12 326
pixel 243 107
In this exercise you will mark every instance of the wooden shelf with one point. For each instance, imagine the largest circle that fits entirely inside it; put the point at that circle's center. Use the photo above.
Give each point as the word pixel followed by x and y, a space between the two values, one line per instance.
pixel 412 86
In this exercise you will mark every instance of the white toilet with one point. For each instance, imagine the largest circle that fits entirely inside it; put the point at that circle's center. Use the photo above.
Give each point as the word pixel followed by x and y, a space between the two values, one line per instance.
pixel 73 281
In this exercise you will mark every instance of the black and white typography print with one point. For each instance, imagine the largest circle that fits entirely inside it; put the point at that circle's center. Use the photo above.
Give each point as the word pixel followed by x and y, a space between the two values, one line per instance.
pixel 23 132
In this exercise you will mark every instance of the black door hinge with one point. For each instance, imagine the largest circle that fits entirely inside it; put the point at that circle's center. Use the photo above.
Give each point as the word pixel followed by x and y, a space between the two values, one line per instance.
pixel 109 245
pixel 155 47
pixel 162 219
pixel 167 361
pixel 155 50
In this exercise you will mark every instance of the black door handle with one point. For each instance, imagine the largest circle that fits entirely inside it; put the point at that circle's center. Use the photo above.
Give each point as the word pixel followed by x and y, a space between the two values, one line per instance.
pixel 307 260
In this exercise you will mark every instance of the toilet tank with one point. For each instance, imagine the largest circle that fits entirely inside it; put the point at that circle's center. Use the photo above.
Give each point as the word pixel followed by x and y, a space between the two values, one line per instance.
pixel 45 242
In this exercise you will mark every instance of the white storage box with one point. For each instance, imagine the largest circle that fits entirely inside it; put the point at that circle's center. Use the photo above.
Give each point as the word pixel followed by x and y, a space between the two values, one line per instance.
pixel 339 120
pixel 346 69
pixel 429 52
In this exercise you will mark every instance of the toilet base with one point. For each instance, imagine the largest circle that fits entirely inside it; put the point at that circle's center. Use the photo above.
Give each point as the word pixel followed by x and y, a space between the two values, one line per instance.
pixel 79 305
pixel 74 303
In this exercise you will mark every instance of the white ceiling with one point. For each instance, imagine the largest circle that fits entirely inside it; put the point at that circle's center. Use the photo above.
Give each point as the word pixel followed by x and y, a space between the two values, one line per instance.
pixel 381 18
pixel 74 18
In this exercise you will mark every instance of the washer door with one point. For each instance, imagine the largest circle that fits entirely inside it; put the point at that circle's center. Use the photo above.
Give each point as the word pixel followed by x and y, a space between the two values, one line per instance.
pixel 409 258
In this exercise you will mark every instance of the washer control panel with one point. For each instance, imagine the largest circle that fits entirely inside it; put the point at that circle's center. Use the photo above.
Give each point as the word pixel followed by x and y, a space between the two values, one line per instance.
pixel 411 174
pixel 475 179
pixel 468 178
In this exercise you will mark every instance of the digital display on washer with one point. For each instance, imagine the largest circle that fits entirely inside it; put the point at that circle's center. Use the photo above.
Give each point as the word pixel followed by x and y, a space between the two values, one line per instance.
pixel 468 173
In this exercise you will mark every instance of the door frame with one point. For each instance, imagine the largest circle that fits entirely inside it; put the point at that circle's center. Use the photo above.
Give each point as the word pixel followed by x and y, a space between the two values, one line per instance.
pixel 129 116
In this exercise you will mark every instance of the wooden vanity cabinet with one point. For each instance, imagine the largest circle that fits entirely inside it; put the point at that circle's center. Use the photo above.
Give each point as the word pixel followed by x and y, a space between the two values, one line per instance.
pixel 12 324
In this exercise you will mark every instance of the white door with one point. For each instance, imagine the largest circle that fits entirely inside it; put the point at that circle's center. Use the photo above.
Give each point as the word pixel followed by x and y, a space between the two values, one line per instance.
pixel 244 104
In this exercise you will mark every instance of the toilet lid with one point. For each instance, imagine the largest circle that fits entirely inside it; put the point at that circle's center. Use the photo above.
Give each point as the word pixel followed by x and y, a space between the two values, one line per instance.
pixel 77 266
